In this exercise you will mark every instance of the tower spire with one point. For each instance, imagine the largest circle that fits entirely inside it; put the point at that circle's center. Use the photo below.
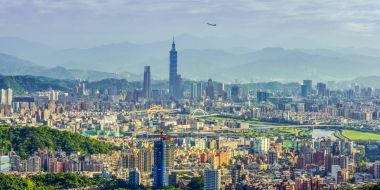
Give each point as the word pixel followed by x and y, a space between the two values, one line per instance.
pixel 173 44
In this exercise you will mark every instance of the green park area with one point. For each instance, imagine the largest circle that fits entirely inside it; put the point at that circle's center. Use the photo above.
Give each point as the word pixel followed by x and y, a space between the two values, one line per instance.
pixel 358 135
pixel 295 131
pixel 250 121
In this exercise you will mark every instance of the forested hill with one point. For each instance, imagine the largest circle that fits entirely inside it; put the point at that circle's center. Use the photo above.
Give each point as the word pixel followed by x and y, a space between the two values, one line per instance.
pixel 26 83
pixel 26 140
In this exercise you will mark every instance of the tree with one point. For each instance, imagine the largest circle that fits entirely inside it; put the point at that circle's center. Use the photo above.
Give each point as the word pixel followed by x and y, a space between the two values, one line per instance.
pixel 196 183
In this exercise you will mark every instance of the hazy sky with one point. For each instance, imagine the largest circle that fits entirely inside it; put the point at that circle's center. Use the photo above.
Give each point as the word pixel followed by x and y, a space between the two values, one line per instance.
pixel 292 23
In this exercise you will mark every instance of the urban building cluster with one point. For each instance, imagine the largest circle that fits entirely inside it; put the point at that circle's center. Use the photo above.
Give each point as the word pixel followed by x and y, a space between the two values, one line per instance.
pixel 235 136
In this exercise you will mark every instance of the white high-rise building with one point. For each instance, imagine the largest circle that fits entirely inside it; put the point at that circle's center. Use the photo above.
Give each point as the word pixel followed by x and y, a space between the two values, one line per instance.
pixel 334 172
pixel 212 179
pixel 9 96
pixel 260 145
pixel 6 96
pixel 3 97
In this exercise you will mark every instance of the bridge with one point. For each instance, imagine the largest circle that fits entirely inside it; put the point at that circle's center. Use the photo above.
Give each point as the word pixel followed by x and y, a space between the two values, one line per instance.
pixel 199 113
pixel 153 109
pixel 157 109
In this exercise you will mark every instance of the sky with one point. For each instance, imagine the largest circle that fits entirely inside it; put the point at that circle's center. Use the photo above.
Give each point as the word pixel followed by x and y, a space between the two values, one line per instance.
pixel 291 23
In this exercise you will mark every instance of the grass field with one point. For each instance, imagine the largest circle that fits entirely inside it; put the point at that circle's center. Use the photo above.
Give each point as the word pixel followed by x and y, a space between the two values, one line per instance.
pixel 252 122
pixel 357 135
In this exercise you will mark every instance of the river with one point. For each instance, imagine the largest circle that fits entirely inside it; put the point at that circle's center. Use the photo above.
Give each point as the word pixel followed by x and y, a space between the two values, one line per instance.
pixel 317 133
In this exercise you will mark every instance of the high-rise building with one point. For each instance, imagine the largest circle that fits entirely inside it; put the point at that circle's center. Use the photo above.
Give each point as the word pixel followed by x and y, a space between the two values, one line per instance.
pixel 236 175
pixel 322 89
pixel 147 83
pixel 304 91
pixel 169 155
pixel 212 179
pixel 196 90
pixel 272 156
pixel 175 80
pixel 210 89
pixel 159 169
pixel 306 88
pixel 376 169
pixel 308 84
pixel 219 90
pixel 260 145
pixel 15 162
pixel 173 179
pixel 129 159
pixel 3 97
pixel 9 96
pixel 145 157
pixel 199 90
pixel 262 96
pixel 134 177
pixel 5 165
pixel 34 164
pixel 235 93
pixel 6 96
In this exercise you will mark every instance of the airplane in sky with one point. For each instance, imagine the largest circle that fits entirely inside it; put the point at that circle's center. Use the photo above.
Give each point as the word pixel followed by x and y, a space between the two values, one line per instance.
pixel 211 24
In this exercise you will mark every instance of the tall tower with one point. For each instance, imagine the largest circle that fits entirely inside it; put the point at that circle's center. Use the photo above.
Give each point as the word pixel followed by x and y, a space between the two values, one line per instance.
pixel 159 173
pixel 174 79
pixel 147 83
pixel 172 70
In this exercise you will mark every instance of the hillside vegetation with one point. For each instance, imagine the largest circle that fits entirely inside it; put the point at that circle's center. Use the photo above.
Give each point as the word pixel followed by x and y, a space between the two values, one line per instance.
pixel 26 140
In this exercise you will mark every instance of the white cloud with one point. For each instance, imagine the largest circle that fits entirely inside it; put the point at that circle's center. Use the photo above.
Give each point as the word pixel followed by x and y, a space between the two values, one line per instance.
pixel 359 27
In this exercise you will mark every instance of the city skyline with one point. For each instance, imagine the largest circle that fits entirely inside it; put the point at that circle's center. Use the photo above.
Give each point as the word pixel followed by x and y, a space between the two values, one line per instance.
pixel 190 95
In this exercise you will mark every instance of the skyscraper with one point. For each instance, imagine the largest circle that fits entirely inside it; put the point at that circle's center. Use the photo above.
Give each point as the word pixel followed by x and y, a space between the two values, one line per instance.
pixel 210 89
pixel 322 89
pixel 145 157
pixel 212 179
pixel 3 97
pixel 306 88
pixel 129 159
pixel 308 84
pixel 235 93
pixel 219 90
pixel 159 173
pixel 304 91
pixel 196 90
pixel 199 90
pixel 147 83
pixel 262 96
pixel 174 79
pixel 6 96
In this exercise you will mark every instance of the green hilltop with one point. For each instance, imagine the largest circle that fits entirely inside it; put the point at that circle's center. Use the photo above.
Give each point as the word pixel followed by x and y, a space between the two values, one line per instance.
pixel 26 140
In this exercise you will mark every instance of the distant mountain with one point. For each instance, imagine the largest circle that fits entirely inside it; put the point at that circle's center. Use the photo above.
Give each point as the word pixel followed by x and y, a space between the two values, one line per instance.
pixel 202 58
pixel 11 65
pixel 368 81
pixel 24 48
pixel 267 64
